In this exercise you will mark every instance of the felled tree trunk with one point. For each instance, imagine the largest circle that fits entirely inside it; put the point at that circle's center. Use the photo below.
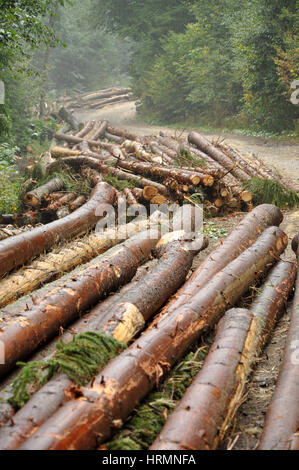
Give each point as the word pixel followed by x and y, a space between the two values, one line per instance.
pixel 87 127
pixel 121 133
pixel 282 420
pixel 78 202
pixel 138 180
pixel 71 297
pixel 53 265
pixel 64 199
pixel 34 198
pixel 105 93
pixel 114 150
pixel 62 152
pixel 68 117
pixel 121 316
pixel 138 150
pixel 22 248
pixel 182 176
pixel 203 144
pixel 205 413
pixel 127 379
pixel 242 237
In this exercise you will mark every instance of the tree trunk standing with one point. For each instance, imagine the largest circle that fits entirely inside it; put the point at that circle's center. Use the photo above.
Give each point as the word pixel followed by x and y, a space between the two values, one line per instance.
pixel 126 380
pixel 205 413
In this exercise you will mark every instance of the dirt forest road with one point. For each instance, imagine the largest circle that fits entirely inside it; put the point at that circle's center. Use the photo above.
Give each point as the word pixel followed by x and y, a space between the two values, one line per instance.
pixel 284 158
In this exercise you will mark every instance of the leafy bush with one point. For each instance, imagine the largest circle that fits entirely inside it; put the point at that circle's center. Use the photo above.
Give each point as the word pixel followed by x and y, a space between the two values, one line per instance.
pixel 11 185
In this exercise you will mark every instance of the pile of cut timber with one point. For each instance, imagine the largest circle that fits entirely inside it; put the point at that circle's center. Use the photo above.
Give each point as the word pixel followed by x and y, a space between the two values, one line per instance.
pixel 102 318
pixel 162 169
pixel 97 99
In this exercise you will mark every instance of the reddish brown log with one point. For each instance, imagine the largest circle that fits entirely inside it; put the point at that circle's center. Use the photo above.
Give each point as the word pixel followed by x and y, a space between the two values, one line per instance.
pixel 92 175
pixel 88 421
pixel 122 316
pixel 19 249
pixel 34 198
pixel 100 131
pixel 87 127
pixel 282 420
pixel 203 144
pixel 243 236
pixel 205 413
pixel 71 297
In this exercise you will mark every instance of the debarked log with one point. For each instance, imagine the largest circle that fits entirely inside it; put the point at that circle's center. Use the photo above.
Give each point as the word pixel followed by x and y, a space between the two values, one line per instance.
pixel 205 413
pixel 127 379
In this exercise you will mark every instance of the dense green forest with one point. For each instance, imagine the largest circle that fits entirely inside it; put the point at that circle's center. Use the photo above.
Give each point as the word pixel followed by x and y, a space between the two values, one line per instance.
pixel 215 62
pixel 226 63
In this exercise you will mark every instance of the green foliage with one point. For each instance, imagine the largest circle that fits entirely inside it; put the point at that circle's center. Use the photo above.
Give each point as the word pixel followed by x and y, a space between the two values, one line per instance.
pixel 212 62
pixel 149 418
pixel 73 181
pixel 118 184
pixel 11 183
pixel 80 359
pixel 213 231
pixel 271 192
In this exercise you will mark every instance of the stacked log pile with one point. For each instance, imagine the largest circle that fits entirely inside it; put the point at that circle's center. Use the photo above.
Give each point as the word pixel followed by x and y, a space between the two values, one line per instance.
pixel 102 317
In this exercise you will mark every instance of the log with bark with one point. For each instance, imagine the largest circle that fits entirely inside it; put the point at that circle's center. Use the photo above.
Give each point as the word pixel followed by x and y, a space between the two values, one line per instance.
pixel 282 420
pixel 182 176
pixel 22 248
pixel 138 180
pixel 105 93
pixel 34 198
pixel 68 117
pixel 204 415
pixel 203 144
pixel 126 380
pixel 126 317
pixel 53 265
pixel 71 297
pixel 242 237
